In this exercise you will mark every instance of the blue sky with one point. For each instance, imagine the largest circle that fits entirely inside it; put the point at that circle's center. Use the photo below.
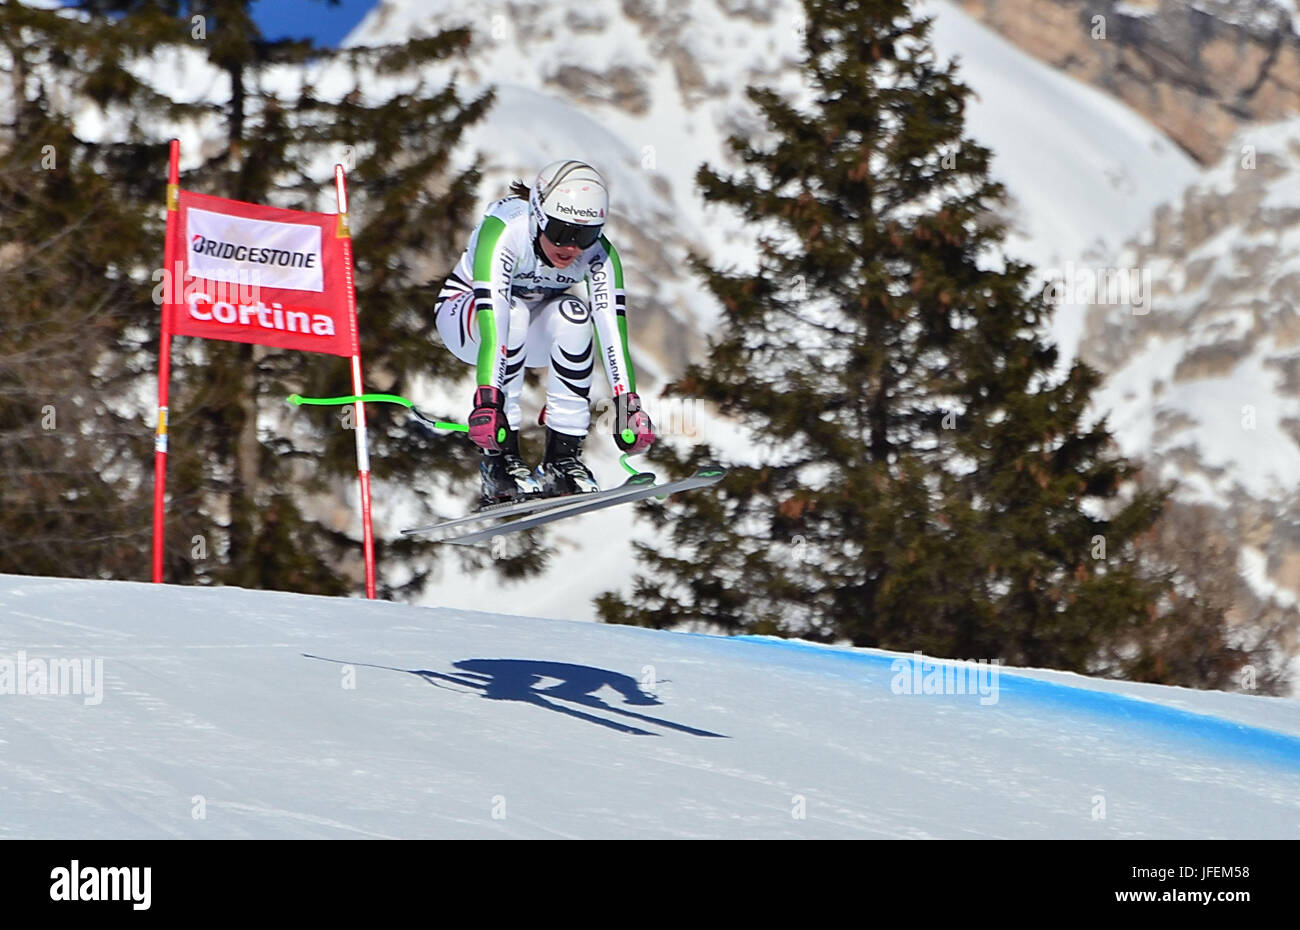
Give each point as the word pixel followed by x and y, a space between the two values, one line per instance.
pixel 314 19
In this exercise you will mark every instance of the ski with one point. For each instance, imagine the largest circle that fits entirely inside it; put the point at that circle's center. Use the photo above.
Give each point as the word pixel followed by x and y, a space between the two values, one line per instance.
pixel 586 503
pixel 530 505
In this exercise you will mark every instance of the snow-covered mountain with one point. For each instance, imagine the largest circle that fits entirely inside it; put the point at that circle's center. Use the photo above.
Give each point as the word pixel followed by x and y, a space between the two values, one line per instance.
pixel 1206 384
pixel 648 90
pixel 141 711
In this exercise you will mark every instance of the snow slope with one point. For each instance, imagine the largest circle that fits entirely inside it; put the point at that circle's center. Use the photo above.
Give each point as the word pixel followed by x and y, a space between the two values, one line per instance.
pixel 227 713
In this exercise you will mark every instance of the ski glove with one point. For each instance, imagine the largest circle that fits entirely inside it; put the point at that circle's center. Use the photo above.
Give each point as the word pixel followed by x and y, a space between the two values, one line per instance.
pixel 487 422
pixel 633 431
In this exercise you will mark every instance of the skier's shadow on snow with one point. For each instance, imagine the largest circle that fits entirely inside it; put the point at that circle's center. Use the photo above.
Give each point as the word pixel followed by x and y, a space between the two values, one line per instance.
pixel 517 680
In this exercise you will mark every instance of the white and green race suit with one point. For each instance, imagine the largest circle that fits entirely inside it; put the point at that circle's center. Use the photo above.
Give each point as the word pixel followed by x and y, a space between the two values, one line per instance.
pixel 504 308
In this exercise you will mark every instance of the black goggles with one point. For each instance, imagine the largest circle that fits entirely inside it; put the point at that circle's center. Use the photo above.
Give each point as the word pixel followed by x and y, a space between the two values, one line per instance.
pixel 561 233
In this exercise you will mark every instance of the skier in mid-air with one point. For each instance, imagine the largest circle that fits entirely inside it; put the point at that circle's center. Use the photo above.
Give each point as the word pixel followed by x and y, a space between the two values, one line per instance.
pixel 505 307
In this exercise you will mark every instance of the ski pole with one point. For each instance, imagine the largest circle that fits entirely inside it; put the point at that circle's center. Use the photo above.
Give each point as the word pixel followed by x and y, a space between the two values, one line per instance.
pixel 298 400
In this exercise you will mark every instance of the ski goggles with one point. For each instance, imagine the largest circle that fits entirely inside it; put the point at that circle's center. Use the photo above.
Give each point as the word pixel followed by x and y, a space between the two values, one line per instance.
pixel 564 234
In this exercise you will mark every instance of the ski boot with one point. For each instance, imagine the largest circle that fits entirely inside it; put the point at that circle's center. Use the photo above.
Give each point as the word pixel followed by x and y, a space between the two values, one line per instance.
pixel 506 476
pixel 561 471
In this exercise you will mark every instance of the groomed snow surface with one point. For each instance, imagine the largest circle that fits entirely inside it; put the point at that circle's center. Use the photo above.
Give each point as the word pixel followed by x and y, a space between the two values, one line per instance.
pixel 221 713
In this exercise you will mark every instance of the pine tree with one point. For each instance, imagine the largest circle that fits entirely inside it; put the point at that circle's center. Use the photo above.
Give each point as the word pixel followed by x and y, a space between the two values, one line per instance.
pixel 927 480
pixel 76 235
pixel 253 487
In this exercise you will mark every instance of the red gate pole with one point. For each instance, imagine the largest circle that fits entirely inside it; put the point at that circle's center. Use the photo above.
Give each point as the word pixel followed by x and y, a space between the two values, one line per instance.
pixel 363 449
pixel 170 287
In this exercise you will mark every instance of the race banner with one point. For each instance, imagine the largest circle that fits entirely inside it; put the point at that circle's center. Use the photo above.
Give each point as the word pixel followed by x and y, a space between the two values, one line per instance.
pixel 246 272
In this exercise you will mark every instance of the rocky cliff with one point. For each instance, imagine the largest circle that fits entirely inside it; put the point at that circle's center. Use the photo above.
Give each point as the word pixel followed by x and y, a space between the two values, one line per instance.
pixel 1199 70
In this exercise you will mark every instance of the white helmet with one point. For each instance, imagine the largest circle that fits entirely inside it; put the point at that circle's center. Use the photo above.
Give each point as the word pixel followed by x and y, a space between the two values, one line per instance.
pixel 568 203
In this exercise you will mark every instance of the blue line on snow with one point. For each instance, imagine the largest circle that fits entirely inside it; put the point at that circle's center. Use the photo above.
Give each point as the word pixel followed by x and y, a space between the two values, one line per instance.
pixel 1246 742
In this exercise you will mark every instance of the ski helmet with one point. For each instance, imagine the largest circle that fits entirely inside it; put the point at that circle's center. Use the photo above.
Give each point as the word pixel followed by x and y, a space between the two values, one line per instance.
pixel 568 203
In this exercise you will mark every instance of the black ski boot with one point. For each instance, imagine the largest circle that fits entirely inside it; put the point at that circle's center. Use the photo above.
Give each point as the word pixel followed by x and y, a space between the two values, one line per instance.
pixel 561 471
pixel 506 476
